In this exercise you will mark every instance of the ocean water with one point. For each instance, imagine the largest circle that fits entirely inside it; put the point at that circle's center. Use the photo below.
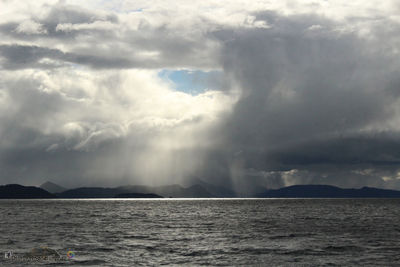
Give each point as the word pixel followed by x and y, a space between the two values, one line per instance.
pixel 217 232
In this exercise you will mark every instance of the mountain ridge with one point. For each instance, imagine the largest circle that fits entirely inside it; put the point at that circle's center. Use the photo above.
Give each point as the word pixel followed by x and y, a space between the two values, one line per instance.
pixel 328 191
pixel 177 191
pixel 52 187
pixel 16 191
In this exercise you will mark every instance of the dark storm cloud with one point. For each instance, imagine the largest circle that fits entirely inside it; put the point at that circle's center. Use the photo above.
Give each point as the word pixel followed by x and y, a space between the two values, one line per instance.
pixel 300 87
pixel 310 92
pixel 368 150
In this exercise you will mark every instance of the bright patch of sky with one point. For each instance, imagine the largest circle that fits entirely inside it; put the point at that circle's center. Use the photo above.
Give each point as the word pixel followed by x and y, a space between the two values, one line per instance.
pixel 192 82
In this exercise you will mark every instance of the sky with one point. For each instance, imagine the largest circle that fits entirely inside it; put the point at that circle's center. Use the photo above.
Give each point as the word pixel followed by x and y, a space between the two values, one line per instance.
pixel 243 94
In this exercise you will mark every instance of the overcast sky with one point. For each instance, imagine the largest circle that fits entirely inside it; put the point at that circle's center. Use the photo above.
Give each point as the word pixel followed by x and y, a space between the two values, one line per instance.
pixel 238 93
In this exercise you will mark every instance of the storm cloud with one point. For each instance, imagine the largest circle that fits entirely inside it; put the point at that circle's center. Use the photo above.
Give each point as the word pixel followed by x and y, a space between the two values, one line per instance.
pixel 306 92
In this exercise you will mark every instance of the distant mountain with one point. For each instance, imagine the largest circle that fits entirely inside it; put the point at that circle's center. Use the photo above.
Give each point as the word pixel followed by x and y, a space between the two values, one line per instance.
pixel 90 192
pixel 137 195
pixel 15 191
pixel 328 191
pixel 249 185
pixel 52 187
pixel 195 191
pixel 215 190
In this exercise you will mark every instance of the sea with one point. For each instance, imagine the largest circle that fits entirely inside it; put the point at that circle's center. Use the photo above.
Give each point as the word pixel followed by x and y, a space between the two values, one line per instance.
pixel 201 232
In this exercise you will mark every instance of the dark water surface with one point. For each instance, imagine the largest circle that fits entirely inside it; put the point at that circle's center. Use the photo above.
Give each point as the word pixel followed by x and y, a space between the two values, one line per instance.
pixel 273 232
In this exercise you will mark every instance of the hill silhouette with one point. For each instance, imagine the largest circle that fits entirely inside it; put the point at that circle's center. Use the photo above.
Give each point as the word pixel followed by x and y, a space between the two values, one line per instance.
pixel 174 190
pixel 137 195
pixel 52 187
pixel 215 190
pixel 178 191
pixel 328 191
pixel 16 191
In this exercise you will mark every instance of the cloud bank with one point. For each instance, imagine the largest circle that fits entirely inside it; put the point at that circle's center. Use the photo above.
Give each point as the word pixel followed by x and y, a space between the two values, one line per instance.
pixel 299 92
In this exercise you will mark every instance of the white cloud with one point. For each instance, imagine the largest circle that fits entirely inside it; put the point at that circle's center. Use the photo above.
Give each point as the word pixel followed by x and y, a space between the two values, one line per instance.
pixel 30 27
pixel 83 110
pixel 97 25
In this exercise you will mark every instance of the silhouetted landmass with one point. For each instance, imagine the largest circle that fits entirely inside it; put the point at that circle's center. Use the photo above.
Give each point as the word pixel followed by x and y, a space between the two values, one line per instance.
pixel 195 191
pixel 90 192
pixel 328 191
pixel 137 195
pixel 215 190
pixel 52 187
pixel 16 191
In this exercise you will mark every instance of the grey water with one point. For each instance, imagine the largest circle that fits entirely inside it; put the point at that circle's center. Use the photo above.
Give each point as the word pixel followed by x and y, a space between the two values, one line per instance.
pixel 216 232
